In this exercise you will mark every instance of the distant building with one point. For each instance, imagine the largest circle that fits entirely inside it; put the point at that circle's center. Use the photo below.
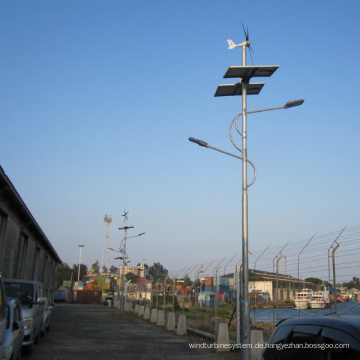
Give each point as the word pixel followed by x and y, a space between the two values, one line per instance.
pixel 25 251
pixel 139 270
pixel 265 281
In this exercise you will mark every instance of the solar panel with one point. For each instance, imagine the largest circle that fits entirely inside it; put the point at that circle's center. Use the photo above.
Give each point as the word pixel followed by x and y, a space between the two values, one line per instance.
pixel 247 72
pixel 236 89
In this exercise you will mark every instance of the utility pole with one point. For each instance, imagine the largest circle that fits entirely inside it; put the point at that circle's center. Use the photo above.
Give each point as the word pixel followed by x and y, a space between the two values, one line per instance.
pixel 80 246
pixel 124 257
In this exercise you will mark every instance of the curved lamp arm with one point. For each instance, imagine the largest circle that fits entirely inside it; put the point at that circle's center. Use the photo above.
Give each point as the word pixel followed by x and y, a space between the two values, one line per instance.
pixel 206 145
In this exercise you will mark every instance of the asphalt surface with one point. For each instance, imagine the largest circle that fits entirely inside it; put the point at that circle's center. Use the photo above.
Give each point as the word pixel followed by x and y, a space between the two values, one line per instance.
pixel 99 332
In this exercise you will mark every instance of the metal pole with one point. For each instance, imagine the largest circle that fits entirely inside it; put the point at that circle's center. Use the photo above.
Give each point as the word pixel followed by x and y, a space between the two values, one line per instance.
pixel 276 257
pixel 184 297
pixel 80 246
pixel 237 269
pixel 333 258
pixel 164 295
pixel 255 275
pixel 216 295
pixel 329 277
pixel 173 308
pixel 334 274
pixel 227 264
pixel 277 287
pixel 123 271
pixel 299 263
pixel 126 295
pixel 245 335
pixel 157 294
pixel 197 296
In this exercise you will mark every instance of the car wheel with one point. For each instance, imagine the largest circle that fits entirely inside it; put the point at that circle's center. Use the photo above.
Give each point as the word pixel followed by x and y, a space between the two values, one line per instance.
pixel 27 350
pixel 37 338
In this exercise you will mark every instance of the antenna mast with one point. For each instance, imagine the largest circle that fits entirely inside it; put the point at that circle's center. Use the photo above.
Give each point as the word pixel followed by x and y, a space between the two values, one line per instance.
pixel 105 261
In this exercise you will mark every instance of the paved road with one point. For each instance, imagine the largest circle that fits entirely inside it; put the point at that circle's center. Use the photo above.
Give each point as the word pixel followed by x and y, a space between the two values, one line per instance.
pixel 96 332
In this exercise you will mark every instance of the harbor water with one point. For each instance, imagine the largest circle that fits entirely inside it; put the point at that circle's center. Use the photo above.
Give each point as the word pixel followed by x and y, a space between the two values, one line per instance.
pixel 269 315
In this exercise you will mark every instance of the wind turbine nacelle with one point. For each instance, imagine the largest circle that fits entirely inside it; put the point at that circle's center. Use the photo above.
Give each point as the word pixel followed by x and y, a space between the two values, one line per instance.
pixel 232 45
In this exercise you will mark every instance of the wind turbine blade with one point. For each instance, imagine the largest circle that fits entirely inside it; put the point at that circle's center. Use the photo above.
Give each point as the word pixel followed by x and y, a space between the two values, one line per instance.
pixel 243 28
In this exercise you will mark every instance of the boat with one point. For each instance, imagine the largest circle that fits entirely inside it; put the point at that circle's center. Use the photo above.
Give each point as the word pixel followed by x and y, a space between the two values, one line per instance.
pixel 302 298
pixel 319 300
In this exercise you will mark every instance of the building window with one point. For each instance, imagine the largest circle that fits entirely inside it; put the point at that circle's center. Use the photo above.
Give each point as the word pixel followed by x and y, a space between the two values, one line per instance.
pixel 36 260
pixel 2 239
pixel 22 256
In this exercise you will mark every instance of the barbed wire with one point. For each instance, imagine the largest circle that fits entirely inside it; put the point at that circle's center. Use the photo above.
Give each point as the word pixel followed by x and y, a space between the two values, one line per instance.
pixel 310 257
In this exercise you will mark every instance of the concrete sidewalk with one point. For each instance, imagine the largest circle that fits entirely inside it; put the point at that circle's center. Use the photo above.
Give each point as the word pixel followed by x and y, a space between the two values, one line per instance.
pixel 97 332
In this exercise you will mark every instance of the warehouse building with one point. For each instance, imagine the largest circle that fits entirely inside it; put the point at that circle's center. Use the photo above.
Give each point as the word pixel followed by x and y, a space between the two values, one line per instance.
pixel 25 251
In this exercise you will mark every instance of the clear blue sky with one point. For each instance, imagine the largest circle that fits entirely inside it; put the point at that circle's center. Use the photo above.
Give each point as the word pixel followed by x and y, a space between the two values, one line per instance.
pixel 98 99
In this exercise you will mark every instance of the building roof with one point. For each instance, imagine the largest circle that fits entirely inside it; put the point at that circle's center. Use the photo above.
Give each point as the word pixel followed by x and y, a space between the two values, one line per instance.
pixel 9 194
pixel 259 275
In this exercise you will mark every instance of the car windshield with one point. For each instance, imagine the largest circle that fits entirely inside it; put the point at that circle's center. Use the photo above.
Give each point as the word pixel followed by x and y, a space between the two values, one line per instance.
pixel 24 292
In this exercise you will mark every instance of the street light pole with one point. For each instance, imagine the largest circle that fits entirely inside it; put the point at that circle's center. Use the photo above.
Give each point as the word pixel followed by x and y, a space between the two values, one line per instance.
pixel 123 250
pixel 244 88
pixel 80 246
pixel 238 288
pixel 244 304
pixel 124 262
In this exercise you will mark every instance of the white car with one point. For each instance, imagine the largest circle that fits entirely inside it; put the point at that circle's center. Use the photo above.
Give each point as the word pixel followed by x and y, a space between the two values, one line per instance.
pixel 32 297
pixel 47 317
pixel 14 333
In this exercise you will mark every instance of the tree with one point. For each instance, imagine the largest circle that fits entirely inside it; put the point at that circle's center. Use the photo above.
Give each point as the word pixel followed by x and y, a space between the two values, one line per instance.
pixel 104 269
pixel 63 272
pixel 187 281
pixel 83 272
pixel 95 267
pixel 132 277
pixel 157 271
pixel 96 285
pixel 315 281
pixel 114 269
pixel 354 283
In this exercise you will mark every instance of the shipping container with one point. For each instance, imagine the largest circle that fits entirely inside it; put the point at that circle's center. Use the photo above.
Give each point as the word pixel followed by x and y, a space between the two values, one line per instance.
pixel 141 281
pixel 223 288
pixel 104 286
pixel 85 296
pixel 222 281
pixel 208 281
pixel 59 295
pixel 67 285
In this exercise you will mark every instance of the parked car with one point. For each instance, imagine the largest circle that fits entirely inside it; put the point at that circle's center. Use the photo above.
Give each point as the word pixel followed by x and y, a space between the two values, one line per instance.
pixel 315 338
pixel 14 334
pixel 47 317
pixel 32 298
pixel 2 315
